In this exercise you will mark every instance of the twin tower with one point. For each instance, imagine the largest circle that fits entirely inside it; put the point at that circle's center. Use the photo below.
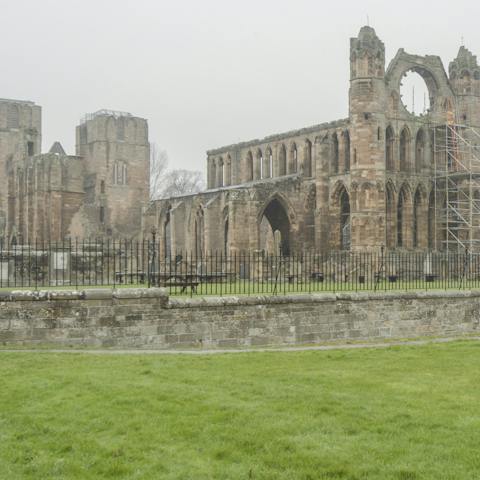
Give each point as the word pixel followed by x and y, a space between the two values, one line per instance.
pixel 101 191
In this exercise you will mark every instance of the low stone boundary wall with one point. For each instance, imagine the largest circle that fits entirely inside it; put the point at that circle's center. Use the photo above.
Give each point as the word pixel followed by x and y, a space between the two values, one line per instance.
pixel 148 318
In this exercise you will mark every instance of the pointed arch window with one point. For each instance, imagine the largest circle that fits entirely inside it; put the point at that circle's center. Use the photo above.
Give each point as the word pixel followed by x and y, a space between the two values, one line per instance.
pixel 404 150
pixel 420 150
pixel 258 165
pixel 199 233
pixel 335 154
pixel 389 149
pixel 249 167
pixel 282 160
pixel 220 172
pixel 346 139
pixel 307 159
pixel 293 163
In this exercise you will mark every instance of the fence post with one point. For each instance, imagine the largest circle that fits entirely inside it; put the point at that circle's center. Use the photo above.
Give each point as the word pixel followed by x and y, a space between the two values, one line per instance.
pixel 379 271
pixel 151 254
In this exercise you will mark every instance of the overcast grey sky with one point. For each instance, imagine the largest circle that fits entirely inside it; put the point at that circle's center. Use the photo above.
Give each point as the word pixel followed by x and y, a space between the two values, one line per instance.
pixel 207 73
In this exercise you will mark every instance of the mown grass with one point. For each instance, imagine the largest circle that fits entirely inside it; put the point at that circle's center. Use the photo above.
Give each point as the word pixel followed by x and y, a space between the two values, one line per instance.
pixel 400 413
pixel 247 287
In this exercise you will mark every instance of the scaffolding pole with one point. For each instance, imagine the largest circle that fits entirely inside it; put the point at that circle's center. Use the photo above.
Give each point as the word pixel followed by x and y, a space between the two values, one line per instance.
pixel 456 157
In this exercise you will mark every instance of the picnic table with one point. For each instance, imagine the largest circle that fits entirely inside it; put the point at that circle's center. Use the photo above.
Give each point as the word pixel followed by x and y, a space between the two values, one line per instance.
pixel 214 277
pixel 138 276
pixel 174 279
pixel 317 276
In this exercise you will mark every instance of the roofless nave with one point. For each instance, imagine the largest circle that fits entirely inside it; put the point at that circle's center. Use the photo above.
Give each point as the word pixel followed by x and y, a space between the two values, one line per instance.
pixel 383 176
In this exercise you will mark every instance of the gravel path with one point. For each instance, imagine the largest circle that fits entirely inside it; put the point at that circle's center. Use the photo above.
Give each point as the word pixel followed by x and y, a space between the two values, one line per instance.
pixel 350 346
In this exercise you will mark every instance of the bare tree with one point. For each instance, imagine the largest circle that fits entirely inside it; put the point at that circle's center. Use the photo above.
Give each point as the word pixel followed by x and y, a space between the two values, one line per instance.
pixel 158 168
pixel 182 182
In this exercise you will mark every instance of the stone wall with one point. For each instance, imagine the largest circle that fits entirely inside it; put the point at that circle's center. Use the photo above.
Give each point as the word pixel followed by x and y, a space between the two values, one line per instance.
pixel 147 318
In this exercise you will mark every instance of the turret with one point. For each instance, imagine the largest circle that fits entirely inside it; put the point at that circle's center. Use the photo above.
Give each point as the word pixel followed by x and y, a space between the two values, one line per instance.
pixel 367 55
pixel 367 100
pixel 367 97
pixel 464 75
pixel 116 153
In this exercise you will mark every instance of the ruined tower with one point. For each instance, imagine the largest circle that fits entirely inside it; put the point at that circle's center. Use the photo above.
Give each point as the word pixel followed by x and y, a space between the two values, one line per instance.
pixel 20 137
pixel 116 152
pixel 464 74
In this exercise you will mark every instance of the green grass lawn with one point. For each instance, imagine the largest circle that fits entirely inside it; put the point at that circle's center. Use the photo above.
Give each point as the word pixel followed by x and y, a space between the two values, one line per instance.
pixel 283 286
pixel 400 413
pixel 247 287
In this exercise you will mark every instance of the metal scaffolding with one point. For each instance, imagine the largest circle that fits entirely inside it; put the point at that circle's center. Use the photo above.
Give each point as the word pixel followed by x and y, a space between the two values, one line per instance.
pixel 456 153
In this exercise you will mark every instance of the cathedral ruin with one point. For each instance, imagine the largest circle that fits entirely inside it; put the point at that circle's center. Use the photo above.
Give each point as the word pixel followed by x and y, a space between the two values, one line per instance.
pixel 101 191
pixel 381 177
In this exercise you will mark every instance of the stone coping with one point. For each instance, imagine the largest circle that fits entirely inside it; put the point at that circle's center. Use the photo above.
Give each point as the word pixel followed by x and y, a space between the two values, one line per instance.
pixel 297 298
pixel 213 301
pixel 87 294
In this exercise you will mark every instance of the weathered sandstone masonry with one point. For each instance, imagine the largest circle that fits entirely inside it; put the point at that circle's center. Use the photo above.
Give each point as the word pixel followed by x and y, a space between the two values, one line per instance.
pixel 356 183
pixel 147 318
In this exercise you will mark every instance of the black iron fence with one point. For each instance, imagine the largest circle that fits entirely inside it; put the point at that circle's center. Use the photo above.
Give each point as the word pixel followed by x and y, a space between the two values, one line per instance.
pixel 75 264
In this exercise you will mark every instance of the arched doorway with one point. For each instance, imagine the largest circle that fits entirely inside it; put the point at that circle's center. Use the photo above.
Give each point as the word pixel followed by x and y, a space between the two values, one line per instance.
pixel 276 216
